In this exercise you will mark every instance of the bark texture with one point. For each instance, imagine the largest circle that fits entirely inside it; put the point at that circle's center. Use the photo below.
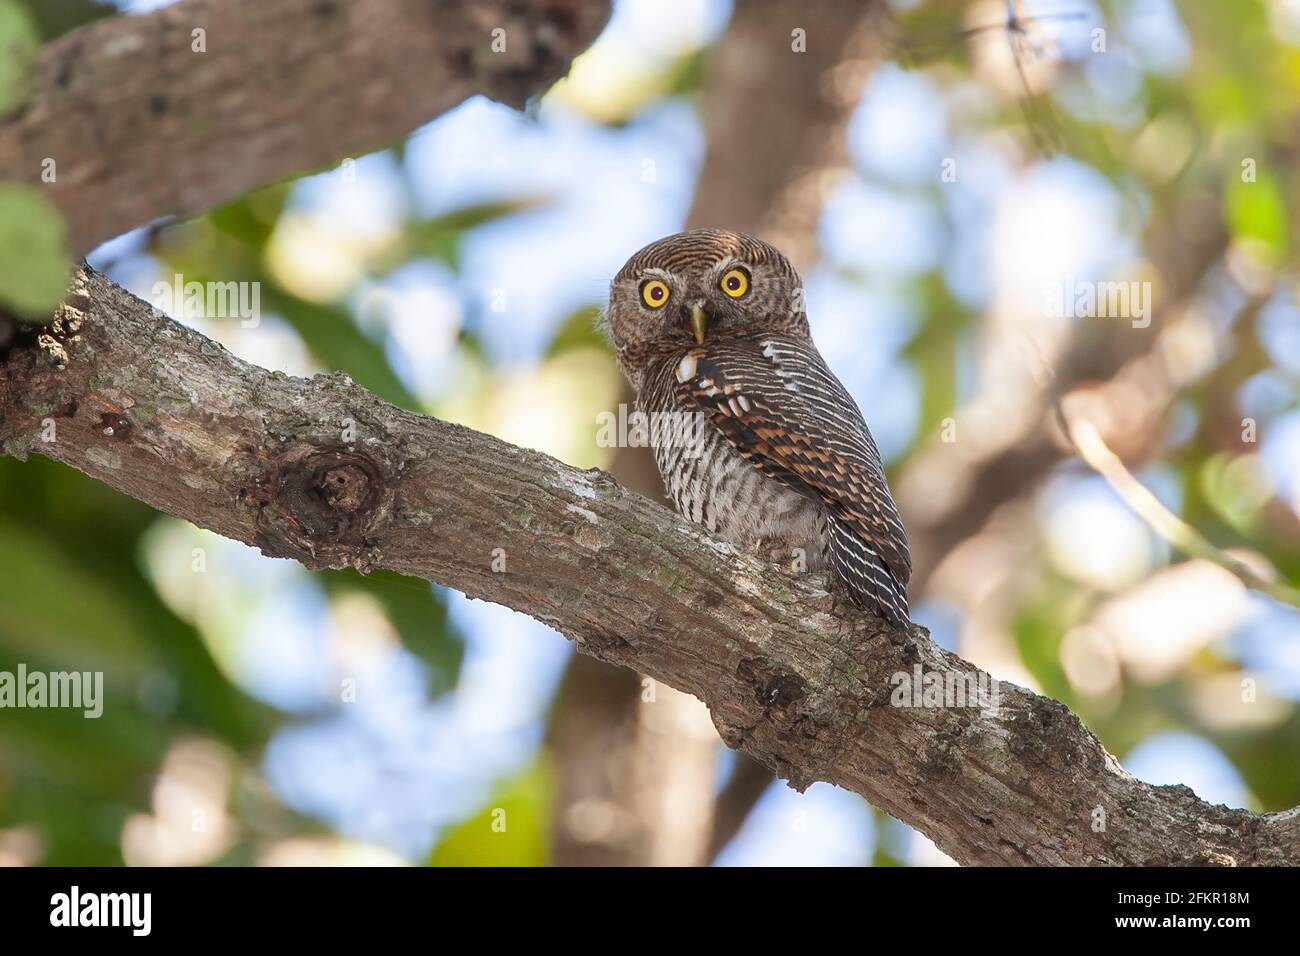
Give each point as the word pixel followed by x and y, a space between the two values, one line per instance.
pixel 277 88
pixel 322 472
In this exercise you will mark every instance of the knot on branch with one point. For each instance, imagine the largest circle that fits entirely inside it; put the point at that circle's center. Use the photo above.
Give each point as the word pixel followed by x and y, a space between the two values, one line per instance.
pixel 330 496
pixel 773 687
pixel 115 426
pixel 320 503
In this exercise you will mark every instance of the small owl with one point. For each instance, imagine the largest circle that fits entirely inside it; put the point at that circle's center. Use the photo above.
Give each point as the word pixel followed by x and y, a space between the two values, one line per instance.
pixel 754 436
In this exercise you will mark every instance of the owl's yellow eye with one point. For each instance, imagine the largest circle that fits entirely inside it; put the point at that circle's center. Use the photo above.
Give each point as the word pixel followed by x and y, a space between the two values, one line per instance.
pixel 654 293
pixel 735 283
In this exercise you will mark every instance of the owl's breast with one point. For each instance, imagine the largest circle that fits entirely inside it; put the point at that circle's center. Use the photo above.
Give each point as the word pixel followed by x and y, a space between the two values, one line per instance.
pixel 712 485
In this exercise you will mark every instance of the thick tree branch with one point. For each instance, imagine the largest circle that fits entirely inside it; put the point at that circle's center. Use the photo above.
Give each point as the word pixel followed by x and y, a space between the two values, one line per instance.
pixel 323 472
pixel 264 91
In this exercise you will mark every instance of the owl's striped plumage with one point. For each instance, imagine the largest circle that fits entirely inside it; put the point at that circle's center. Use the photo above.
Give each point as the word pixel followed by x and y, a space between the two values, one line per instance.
pixel 754 436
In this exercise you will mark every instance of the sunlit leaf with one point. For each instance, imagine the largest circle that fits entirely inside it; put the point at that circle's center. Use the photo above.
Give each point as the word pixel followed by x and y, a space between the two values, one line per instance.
pixel 35 261
pixel 19 45
pixel 1257 210
pixel 511 830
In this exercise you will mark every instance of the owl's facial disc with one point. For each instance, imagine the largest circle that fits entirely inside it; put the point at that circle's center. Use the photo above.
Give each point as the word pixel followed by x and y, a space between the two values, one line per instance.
pixel 697 289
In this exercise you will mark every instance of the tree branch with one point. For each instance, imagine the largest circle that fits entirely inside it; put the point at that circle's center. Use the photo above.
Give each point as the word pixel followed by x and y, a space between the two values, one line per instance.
pixel 1092 448
pixel 276 89
pixel 323 472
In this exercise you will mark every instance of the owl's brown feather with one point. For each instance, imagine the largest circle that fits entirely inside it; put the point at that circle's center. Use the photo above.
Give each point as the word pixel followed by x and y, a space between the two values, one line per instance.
pixel 780 407
pixel 785 458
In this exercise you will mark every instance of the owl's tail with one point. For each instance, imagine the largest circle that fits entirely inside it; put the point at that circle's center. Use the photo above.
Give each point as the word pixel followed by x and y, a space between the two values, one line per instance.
pixel 858 567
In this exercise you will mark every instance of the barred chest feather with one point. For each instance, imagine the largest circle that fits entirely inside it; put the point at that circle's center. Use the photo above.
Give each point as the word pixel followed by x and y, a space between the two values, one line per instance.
pixel 712 485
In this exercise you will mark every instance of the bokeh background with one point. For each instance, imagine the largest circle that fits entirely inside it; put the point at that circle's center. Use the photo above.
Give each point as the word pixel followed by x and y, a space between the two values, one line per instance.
pixel 930 190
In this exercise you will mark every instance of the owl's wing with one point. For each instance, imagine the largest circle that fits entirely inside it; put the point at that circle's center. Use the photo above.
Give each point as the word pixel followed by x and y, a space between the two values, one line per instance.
pixel 779 405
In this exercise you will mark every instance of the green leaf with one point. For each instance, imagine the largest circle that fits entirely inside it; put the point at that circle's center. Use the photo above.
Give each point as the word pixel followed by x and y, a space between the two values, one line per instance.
pixel 1039 627
pixel 510 831
pixel 1258 211
pixel 19 47
pixel 252 218
pixel 53 18
pixel 99 630
pixel 35 262
pixel 438 237
pixel 579 330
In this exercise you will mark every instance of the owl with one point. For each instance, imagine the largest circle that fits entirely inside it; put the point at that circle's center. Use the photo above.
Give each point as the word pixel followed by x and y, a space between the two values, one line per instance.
pixel 754 436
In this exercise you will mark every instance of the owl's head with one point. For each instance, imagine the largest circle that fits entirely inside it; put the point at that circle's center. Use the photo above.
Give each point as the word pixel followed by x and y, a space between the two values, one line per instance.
pixel 692 287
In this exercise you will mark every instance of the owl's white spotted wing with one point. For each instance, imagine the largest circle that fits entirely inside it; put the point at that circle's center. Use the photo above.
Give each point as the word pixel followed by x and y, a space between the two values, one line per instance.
pixel 777 403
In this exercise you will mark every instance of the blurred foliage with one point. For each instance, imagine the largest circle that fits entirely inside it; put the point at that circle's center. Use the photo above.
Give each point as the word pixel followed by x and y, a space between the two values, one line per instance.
pixel 580 330
pixel 511 830
pixel 53 18
pixel 20 44
pixel 420 619
pixel 1225 130
pixel 74 594
pixel 74 597
pixel 35 263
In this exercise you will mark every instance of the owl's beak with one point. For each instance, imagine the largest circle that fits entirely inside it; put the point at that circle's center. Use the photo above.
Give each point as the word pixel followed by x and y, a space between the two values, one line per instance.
pixel 699 322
